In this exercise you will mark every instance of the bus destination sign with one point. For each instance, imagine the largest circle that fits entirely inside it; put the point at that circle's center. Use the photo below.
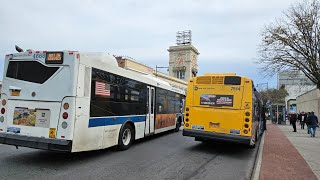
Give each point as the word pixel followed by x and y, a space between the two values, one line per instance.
pixel 54 57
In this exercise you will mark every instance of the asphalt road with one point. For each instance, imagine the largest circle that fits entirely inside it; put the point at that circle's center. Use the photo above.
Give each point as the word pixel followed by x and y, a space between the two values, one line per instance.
pixel 165 156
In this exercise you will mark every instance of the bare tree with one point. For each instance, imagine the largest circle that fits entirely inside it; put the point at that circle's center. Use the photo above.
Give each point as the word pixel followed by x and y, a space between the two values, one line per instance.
pixel 274 95
pixel 292 42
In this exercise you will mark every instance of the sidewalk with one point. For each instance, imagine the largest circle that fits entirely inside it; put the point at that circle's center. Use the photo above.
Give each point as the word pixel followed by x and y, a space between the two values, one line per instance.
pixel 282 160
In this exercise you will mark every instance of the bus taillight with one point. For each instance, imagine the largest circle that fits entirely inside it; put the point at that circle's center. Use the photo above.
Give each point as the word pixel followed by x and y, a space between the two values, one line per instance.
pixel 3 111
pixel 65 115
pixel 65 106
pixel 64 125
pixel 4 102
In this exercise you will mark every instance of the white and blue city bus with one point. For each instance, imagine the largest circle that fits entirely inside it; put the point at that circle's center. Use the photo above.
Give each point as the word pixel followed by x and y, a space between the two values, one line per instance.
pixel 70 101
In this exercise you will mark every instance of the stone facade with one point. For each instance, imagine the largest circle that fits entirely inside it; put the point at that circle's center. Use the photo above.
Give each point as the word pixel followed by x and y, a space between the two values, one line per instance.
pixel 133 65
pixel 296 84
pixel 183 61
pixel 309 101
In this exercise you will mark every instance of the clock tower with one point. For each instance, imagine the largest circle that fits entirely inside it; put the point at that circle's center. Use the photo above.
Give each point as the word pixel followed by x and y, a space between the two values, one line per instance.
pixel 183 58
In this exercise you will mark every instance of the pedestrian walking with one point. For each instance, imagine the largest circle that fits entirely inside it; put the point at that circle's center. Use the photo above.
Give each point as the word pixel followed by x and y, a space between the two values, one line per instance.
pixel 293 121
pixel 300 119
pixel 308 121
pixel 313 124
pixel 303 118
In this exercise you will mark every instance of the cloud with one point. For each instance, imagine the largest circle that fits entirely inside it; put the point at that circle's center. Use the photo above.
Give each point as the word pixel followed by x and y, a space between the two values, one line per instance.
pixel 227 31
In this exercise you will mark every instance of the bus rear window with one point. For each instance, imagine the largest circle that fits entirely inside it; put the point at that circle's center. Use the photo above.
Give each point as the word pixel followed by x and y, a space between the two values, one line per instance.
pixel 232 80
pixel 31 71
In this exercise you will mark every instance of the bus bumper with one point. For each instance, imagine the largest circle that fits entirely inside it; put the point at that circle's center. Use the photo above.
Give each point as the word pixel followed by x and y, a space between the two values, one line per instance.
pixel 216 136
pixel 36 142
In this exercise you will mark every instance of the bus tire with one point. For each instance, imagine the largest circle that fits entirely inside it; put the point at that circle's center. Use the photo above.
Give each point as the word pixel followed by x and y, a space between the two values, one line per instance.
pixel 178 125
pixel 253 144
pixel 126 137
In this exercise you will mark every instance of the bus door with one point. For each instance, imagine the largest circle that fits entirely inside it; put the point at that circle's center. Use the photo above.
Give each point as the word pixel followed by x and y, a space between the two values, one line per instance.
pixel 150 110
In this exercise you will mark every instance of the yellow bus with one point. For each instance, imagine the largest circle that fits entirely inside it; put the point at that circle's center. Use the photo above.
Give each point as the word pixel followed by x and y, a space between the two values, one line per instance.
pixel 223 107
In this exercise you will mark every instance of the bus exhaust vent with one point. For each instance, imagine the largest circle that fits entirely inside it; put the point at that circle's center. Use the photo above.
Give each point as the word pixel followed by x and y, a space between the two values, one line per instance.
pixel 204 80
pixel 217 79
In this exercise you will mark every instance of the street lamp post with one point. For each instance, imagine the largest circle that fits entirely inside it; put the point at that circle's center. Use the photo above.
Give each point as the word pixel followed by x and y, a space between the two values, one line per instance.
pixel 160 67
pixel 263 84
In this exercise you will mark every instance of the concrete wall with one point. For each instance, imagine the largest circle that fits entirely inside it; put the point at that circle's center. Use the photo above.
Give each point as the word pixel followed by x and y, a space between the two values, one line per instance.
pixel 294 91
pixel 309 101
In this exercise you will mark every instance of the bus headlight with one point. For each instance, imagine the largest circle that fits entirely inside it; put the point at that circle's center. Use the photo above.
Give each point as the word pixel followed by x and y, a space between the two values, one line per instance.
pixel 187 119
pixel 187 114
pixel 247 113
pixel 247 119
pixel 246 131
pixel 64 125
pixel 187 125
pixel 246 125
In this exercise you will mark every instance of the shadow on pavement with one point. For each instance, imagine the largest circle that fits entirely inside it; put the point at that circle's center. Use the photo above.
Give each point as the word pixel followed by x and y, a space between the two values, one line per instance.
pixel 223 148
pixel 33 157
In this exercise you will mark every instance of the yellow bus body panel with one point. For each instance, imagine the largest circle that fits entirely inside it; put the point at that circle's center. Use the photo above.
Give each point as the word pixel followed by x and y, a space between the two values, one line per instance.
pixel 229 120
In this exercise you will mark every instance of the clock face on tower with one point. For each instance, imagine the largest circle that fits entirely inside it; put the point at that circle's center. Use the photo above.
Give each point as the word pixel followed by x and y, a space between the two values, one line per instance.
pixel 179 60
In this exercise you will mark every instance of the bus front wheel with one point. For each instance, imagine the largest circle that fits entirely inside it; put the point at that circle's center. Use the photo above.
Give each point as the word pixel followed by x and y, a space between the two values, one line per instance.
pixel 126 137
pixel 178 125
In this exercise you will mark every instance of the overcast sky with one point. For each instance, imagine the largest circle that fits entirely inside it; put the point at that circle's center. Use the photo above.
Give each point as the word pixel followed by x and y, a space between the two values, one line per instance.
pixel 226 32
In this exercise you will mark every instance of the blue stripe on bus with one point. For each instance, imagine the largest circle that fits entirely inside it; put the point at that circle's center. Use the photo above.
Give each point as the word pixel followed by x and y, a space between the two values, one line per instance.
pixel 114 120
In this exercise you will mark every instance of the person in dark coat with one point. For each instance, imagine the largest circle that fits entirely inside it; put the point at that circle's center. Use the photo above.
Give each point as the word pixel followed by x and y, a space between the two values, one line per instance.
pixel 264 120
pixel 300 118
pixel 308 121
pixel 293 120
pixel 312 122
pixel 304 117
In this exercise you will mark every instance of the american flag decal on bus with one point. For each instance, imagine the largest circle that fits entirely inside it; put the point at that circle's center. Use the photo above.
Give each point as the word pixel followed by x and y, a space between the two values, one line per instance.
pixel 102 89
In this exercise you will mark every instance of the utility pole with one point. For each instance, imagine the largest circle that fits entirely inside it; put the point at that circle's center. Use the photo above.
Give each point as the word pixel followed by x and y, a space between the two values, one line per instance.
pixel 160 67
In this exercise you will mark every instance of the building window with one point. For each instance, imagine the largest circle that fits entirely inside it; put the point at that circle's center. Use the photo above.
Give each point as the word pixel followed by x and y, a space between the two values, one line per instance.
pixel 181 74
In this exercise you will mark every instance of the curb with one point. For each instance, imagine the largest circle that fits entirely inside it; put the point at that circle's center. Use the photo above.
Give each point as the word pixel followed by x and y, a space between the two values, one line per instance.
pixel 252 163
pixel 257 165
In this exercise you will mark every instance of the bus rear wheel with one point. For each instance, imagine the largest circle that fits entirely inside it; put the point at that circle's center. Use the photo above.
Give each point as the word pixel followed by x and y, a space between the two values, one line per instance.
pixel 126 137
pixel 253 141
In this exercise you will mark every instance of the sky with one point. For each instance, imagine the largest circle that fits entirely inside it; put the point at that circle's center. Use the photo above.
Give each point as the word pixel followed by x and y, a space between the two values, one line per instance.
pixel 225 32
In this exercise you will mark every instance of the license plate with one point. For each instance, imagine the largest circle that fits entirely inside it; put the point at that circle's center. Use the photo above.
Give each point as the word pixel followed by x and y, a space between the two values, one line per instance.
pixel 214 125
pixel 15 93
pixel 196 127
